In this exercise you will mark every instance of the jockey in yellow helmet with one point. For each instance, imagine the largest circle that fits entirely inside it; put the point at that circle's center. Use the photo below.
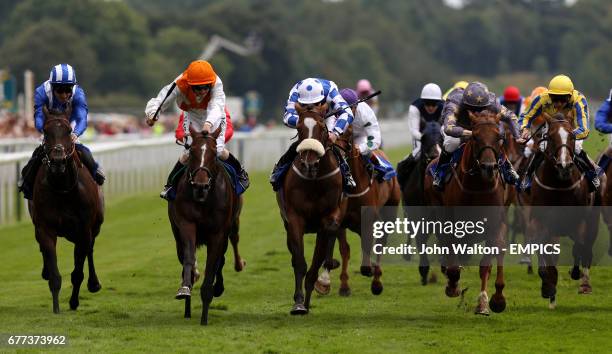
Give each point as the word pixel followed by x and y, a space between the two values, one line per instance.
pixel 562 97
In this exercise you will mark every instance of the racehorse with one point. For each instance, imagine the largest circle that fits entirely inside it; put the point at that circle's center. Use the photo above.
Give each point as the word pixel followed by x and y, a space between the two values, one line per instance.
pixel 311 200
pixel 380 200
pixel 206 211
pixel 558 182
pixel 413 194
pixel 67 203
pixel 476 181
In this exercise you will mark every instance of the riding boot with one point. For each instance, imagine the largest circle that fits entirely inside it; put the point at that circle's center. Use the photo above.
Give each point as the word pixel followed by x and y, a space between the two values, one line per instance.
pixel 510 176
pixel 174 174
pixel 591 171
pixel 538 157
pixel 345 169
pixel 29 171
pixel 404 168
pixel 243 176
pixel 91 164
pixel 283 162
pixel 443 161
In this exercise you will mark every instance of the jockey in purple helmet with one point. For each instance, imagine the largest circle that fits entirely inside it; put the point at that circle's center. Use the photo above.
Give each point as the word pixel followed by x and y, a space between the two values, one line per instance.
pixel 58 94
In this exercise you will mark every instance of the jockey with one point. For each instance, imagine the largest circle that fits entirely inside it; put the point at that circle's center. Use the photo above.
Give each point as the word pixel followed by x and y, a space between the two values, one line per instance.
pixel 526 103
pixel 561 97
pixel 199 93
pixel 512 99
pixel 60 93
pixel 364 89
pixel 475 97
pixel 427 108
pixel 312 91
pixel 366 133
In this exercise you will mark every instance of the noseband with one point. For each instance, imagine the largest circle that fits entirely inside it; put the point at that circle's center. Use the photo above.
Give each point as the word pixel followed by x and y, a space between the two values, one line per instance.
pixel 483 148
pixel 553 156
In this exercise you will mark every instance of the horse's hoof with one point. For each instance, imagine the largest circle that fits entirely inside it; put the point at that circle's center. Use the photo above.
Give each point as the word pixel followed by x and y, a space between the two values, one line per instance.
pixel 423 271
pixel 56 310
pixel 452 292
pixel 585 289
pixel 93 287
pixel 529 269
pixel 366 271
pixel 299 309
pixel 407 257
pixel 497 303
pixel 482 311
pixel 345 292
pixel 239 266
pixel 322 289
pixel 377 288
pixel 553 303
pixel 74 304
pixel 575 273
pixel 423 281
pixel 218 289
pixel 183 292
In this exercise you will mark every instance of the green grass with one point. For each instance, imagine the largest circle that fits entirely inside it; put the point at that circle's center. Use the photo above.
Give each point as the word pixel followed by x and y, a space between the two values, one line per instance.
pixel 136 310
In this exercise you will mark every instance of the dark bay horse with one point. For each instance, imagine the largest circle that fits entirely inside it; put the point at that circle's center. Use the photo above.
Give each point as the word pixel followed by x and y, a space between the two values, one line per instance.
pixel 381 200
pixel 67 203
pixel 559 183
pixel 206 211
pixel 311 200
pixel 476 181
pixel 413 192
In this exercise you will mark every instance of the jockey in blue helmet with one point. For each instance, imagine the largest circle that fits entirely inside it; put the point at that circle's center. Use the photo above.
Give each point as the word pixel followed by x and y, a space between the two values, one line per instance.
pixel 59 93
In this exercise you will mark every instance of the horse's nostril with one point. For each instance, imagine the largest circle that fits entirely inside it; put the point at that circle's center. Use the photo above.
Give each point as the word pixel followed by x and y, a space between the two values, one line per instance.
pixel 303 164
pixel 316 165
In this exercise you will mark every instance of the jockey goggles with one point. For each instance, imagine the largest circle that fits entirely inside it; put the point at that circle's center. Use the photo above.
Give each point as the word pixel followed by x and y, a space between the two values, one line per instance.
pixel 559 98
pixel 63 88
pixel 428 102
pixel 201 87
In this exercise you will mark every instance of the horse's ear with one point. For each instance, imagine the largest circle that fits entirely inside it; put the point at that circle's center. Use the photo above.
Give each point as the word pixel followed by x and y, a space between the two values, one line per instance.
pixel 191 131
pixel 498 117
pixel 299 109
pixel 546 116
pixel 216 133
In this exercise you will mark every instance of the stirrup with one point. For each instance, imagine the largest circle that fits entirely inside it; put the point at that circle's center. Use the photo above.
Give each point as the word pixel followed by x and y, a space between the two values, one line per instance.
pixel 165 192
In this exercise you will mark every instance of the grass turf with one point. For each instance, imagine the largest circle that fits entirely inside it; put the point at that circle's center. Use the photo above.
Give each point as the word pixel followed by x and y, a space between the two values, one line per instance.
pixel 136 310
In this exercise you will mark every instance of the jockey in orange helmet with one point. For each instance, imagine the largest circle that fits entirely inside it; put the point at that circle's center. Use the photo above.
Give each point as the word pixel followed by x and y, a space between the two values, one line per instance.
pixel 199 93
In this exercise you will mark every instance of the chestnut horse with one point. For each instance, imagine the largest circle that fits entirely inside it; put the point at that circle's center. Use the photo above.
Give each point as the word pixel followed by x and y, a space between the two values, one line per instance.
pixel 206 211
pixel 311 200
pixel 67 203
pixel 558 182
pixel 476 181
pixel 381 200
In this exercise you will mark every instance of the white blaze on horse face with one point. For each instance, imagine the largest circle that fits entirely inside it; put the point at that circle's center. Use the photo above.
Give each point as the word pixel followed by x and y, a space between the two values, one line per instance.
pixel 310 123
pixel 565 160
pixel 203 154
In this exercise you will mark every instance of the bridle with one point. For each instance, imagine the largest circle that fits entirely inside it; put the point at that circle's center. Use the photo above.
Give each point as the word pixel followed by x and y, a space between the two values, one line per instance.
pixel 192 173
pixel 552 156
pixel 47 160
pixel 484 148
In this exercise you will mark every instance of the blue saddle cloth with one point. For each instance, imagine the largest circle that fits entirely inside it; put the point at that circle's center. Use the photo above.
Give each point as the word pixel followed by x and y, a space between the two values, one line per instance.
pixel 384 168
pixel 455 158
pixel 233 175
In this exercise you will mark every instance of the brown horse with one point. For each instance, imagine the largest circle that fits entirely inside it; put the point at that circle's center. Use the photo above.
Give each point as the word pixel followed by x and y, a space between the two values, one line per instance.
pixel 206 211
pixel 477 181
pixel 381 200
pixel 558 182
pixel 311 200
pixel 67 203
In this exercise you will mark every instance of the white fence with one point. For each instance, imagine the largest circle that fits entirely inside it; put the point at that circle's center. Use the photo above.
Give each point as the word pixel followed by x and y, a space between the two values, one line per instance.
pixel 143 165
